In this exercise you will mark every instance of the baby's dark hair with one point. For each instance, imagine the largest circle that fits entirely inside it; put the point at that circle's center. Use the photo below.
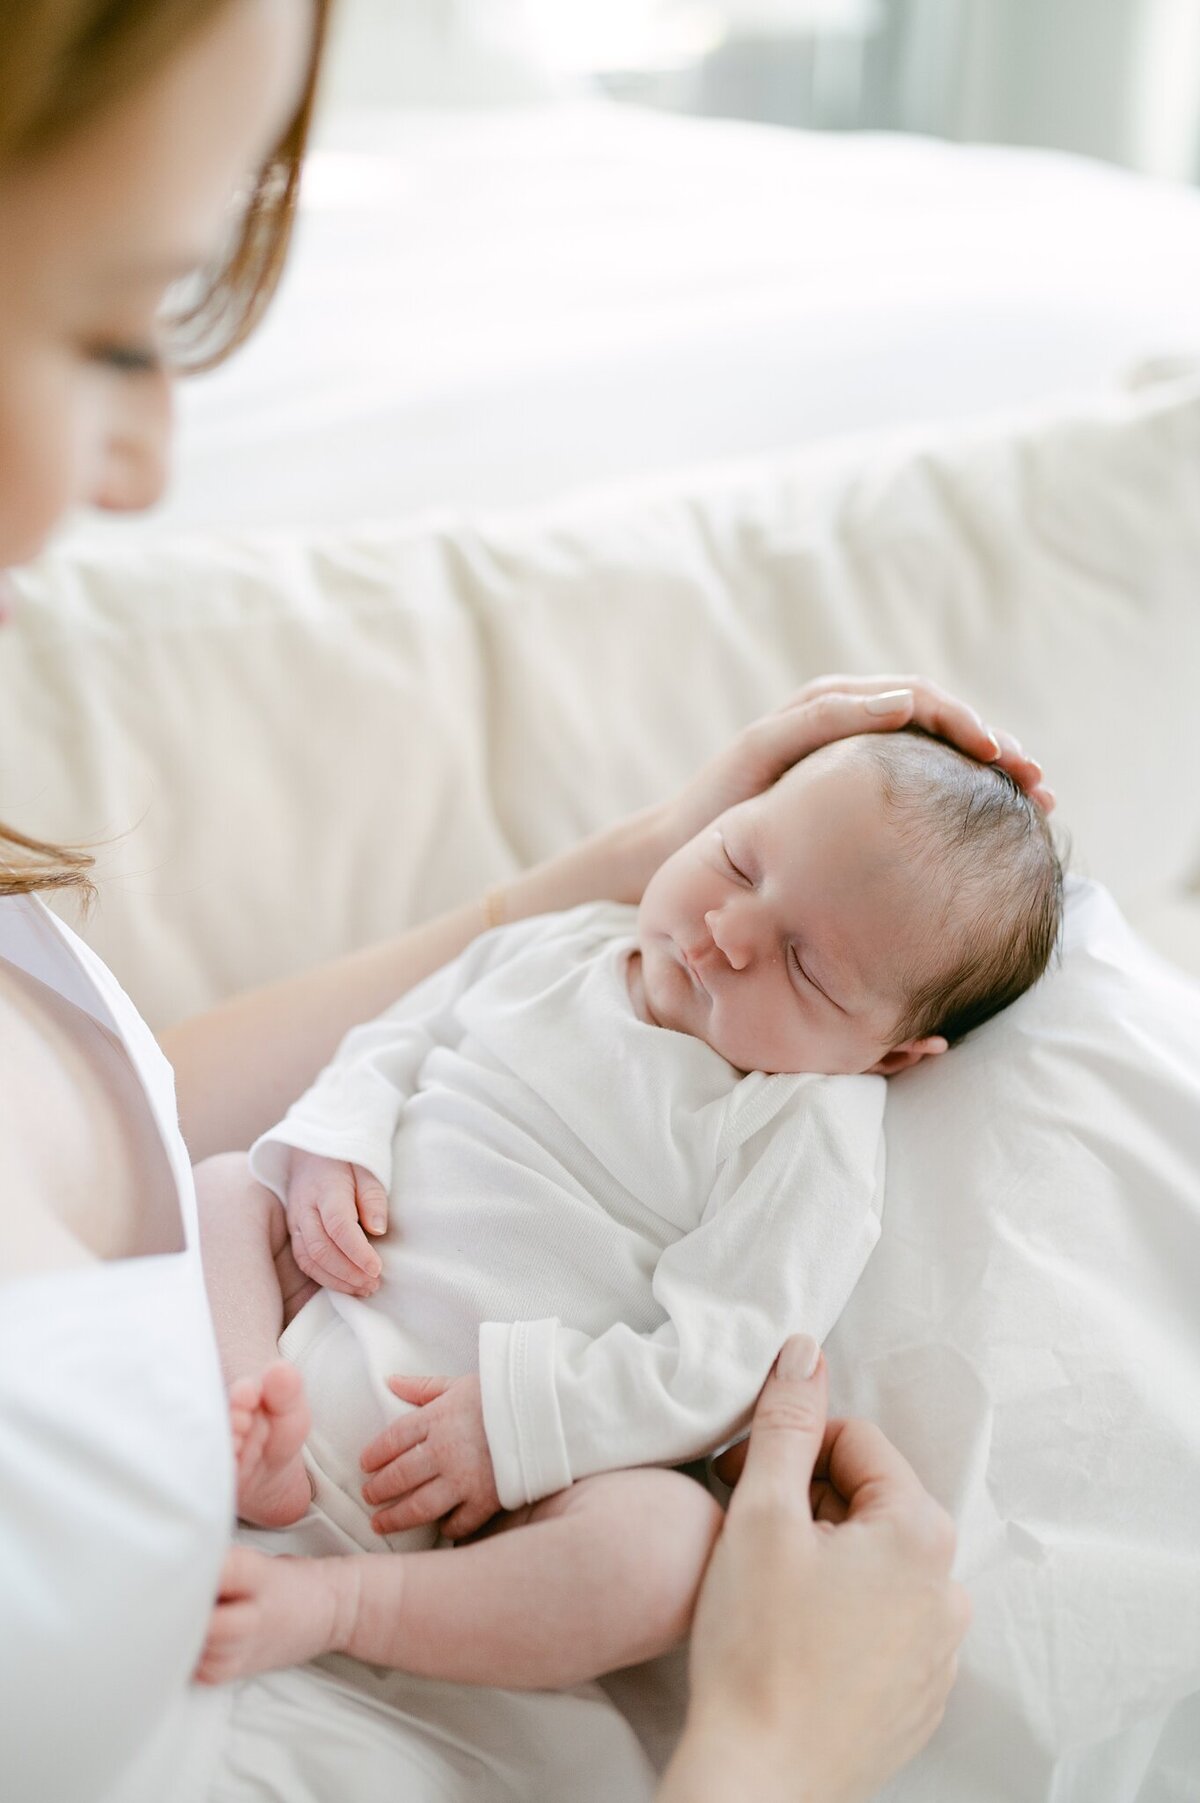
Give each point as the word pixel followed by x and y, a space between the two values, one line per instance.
pixel 999 910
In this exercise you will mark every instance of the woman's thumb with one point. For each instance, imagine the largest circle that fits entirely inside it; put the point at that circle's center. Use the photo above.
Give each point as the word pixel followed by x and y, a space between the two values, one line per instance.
pixel 789 1420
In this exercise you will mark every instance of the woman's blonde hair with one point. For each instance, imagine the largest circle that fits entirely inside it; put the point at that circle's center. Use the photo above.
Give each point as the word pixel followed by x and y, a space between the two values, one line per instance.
pixel 62 64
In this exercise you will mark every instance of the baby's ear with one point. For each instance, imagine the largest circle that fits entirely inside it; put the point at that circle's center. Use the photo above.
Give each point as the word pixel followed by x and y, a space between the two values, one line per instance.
pixel 911 1052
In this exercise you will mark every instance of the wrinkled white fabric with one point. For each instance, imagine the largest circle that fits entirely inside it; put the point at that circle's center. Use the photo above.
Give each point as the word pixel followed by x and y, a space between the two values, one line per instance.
pixel 1028 1333
pixel 613 1222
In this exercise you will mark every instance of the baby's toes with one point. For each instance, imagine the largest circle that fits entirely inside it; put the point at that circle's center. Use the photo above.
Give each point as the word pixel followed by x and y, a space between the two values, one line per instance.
pixel 282 1387
pixel 254 1441
pixel 245 1394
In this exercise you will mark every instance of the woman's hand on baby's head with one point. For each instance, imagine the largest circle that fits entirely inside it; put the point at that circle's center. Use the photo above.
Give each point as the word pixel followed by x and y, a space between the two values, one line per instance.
pixel 433 1463
pixel 936 711
pixel 329 1204
pixel 823 711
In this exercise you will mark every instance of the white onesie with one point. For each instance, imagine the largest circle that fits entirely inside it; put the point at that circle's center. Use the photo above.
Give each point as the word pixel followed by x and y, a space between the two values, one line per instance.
pixel 606 1218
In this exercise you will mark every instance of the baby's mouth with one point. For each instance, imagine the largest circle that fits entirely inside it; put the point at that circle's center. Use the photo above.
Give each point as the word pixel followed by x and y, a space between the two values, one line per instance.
pixel 690 966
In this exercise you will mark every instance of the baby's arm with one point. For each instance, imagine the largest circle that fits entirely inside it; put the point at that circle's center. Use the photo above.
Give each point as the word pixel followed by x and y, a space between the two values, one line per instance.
pixel 781 1245
pixel 602 1576
pixel 330 1159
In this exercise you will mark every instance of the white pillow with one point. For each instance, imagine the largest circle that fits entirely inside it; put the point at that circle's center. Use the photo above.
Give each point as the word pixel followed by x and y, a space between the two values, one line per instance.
pixel 1028 1331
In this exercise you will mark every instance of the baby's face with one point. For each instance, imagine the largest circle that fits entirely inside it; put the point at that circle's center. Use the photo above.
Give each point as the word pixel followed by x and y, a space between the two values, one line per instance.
pixel 781 934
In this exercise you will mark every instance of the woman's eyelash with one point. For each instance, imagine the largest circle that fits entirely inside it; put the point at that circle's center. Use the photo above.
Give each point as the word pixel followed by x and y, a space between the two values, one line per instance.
pixel 130 359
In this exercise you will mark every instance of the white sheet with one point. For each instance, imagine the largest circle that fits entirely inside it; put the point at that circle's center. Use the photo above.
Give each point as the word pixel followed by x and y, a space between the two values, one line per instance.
pixel 1027 1330
pixel 490 308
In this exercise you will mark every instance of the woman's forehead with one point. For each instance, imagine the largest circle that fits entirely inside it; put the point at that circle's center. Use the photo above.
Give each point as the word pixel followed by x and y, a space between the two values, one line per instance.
pixel 141 193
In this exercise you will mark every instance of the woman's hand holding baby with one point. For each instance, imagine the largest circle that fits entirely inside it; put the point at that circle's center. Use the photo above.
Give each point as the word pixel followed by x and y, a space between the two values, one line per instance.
pixel 434 1463
pixel 329 1205
pixel 825 1640
pixel 823 711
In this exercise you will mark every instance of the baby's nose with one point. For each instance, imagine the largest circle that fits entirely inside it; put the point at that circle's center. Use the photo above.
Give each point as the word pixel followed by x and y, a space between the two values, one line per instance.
pixel 730 937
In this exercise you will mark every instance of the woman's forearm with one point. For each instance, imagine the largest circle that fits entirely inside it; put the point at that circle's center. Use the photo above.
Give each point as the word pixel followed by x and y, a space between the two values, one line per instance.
pixel 238 1067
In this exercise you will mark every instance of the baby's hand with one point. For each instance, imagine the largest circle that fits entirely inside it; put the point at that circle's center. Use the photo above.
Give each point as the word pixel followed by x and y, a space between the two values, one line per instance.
pixel 329 1203
pixel 434 1463
pixel 272 1612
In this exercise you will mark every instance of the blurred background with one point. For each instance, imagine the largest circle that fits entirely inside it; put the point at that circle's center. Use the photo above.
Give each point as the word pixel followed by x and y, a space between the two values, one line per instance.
pixel 546 245
pixel 1117 79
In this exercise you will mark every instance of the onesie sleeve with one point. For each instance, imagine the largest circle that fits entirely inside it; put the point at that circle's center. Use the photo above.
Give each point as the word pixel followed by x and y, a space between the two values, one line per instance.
pixel 352 1110
pixel 790 1224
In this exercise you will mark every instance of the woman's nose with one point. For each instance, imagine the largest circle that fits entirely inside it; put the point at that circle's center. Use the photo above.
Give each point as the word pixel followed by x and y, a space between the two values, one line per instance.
pixel 133 458
pixel 732 935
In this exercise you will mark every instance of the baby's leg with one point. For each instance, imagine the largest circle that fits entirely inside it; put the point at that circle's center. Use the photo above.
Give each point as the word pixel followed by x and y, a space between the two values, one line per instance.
pixel 598 1577
pixel 601 1576
pixel 254 1287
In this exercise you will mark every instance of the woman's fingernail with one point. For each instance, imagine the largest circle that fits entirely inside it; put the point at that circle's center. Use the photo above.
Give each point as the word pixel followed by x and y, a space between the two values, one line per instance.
pixel 890 702
pixel 799 1359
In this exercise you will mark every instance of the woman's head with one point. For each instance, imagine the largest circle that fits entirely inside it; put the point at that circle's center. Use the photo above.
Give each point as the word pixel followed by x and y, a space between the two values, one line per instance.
pixel 126 129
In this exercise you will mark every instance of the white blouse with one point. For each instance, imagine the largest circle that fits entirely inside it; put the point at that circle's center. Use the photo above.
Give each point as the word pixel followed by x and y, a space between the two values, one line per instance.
pixel 116 1482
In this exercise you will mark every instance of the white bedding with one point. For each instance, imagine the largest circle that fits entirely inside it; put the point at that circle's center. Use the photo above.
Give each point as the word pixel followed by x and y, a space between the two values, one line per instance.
pixel 492 307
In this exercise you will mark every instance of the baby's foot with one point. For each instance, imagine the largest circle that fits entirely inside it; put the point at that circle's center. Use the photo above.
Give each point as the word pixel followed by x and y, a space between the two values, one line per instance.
pixel 270 1418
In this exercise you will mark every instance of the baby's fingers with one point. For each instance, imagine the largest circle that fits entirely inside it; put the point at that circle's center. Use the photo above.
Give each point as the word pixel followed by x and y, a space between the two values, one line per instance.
pixel 319 1258
pixel 371 1199
pixel 343 1231
pixel 398 1478
pixel 467 1519
pixel 397 1437
pixel 429 1503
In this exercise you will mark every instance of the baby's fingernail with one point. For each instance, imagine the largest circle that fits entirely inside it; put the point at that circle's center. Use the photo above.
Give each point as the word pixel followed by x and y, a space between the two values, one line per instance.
pixel 992 740
pixel 1034 765
pixel 799 1358
pixel 890 702
pixel 376 1223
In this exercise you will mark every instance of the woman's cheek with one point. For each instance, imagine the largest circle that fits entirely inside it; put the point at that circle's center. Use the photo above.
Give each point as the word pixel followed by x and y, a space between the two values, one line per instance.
pixel 41 458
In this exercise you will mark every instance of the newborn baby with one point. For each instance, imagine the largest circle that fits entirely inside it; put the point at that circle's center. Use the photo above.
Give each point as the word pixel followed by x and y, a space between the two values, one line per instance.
pixel 607 1170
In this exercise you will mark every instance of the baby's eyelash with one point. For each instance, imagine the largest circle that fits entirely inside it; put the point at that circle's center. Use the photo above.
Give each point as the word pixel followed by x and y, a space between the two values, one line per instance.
pixel 736 868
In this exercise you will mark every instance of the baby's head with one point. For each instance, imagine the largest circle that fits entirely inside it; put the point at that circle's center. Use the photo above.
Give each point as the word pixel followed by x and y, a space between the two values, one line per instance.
pixel 884 897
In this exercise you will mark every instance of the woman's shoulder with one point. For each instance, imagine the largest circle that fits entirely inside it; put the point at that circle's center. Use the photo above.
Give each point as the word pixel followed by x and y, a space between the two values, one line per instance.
pixel 83 1172
pixel 34 1233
